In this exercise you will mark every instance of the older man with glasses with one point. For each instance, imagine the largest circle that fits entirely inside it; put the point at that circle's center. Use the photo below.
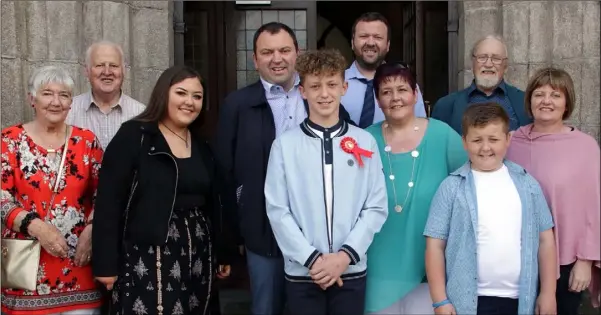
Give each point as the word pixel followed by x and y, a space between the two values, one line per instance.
pixel 489 63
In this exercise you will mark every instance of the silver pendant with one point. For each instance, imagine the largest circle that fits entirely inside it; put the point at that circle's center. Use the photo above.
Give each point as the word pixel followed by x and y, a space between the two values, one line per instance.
pixel 398 208
pixel 391 176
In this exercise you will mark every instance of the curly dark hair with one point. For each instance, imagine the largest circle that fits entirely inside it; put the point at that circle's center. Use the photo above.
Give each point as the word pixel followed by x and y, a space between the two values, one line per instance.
pixel 320 62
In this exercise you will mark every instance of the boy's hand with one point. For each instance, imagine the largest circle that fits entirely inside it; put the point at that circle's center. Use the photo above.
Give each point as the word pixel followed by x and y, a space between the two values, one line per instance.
pixel 328 268
pixel 446 309
pixel 325 287
pixel 546 304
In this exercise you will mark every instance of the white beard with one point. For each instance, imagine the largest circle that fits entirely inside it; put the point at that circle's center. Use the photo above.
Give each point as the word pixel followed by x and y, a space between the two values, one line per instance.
pixel 487 82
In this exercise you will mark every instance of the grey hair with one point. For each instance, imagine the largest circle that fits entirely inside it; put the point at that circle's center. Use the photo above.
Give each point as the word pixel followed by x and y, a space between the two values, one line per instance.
pixel 496 37
pixel 47 75
pixel 103 43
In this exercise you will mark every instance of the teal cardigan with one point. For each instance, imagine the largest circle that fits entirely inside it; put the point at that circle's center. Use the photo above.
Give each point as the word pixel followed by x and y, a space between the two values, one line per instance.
pixel 451 107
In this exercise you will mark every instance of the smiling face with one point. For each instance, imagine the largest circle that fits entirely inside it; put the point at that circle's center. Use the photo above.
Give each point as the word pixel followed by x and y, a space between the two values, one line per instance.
pixel 275 56
pixel 489 63
pixel 548 104
pixel 185 102
pixel 396 98
pixel 323 93
pixel 370 43
pixel 52 103
pixel 486 146
pixel 105 70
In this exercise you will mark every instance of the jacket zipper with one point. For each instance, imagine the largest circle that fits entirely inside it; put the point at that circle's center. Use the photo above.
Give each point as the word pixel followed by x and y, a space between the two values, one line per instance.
pixel 325 200
pixel 174 191
pixel 332 218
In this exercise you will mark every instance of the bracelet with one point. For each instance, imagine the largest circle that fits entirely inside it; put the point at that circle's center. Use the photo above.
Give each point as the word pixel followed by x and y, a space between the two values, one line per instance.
pixel 27 221
pixel 441 303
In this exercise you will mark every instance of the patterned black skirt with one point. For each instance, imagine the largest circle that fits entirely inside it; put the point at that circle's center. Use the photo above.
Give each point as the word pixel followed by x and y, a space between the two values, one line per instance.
pixel 174 278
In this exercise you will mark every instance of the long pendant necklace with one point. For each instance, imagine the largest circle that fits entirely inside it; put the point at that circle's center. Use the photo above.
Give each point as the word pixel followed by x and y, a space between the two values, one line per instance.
pixel 185 140
pixel 414 154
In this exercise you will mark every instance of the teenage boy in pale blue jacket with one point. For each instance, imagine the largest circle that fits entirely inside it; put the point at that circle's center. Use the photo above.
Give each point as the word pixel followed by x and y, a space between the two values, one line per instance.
pixel 326 196
pixel 489 231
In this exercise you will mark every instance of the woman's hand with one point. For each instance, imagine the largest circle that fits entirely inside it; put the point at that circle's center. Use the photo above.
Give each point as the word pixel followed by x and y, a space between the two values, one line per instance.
pixel 50 238
pixel 580 276
pixel 83 252
pixel 224 271
pixel 107 282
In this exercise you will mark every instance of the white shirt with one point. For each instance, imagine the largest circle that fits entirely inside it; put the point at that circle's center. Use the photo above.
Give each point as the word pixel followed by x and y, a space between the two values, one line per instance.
pixel 499 233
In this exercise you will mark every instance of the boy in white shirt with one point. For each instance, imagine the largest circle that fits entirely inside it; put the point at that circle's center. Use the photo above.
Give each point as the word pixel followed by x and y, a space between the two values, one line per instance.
pixel 489 231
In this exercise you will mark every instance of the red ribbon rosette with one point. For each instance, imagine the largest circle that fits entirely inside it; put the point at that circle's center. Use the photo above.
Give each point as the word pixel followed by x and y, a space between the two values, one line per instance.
pixel 349 145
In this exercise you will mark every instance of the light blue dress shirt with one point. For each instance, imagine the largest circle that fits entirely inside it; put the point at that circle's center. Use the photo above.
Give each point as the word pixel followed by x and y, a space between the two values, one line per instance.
pixel 287 107
pixel 353 99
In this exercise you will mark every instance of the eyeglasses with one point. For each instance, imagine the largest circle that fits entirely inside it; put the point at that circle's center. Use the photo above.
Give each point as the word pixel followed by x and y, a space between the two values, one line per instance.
pixel 493 59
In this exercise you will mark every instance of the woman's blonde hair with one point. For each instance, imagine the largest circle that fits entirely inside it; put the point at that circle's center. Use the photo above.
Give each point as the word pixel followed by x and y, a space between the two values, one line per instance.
pixel 558 79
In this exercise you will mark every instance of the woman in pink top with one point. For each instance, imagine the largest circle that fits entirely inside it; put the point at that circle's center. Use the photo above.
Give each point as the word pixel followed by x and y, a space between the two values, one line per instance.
pixel 566 163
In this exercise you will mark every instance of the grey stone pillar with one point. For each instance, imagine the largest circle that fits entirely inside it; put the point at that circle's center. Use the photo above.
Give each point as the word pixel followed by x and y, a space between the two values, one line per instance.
pixel 541 33
pixel 37 33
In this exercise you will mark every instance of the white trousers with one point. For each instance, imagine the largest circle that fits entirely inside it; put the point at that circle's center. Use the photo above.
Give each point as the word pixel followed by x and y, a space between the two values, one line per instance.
pixel 416 302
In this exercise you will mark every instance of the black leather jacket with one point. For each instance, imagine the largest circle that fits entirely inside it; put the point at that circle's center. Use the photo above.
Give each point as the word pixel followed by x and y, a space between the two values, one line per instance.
pixel 152 203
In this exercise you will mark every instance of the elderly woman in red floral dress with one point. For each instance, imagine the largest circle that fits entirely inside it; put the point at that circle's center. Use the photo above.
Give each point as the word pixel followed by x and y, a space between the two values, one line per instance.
pixel 62 221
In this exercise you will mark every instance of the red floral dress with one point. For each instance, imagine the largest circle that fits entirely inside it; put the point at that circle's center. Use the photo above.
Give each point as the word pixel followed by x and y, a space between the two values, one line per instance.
pixel 28 173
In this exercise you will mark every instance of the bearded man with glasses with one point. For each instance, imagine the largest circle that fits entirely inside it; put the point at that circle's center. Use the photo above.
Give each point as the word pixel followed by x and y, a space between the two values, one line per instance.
pixel 489 63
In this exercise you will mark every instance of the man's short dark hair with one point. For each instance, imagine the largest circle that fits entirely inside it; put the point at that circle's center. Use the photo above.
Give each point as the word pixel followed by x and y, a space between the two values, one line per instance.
pixel 482 115
pixel 372 17
pixel 274 28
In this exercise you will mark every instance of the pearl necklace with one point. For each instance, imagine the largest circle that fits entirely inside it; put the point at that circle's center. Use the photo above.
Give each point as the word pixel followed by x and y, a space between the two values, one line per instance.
pixel 414 153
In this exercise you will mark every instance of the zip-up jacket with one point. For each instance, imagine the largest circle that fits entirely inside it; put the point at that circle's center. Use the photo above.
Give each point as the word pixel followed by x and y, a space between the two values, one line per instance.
pixel 152 204
pixel 319 200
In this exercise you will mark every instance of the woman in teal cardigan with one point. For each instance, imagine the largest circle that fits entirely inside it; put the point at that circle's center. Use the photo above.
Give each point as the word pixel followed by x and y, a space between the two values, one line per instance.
pixel 417 154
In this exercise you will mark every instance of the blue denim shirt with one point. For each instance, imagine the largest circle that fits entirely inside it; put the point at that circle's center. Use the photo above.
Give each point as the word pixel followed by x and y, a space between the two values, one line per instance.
pixel 453 217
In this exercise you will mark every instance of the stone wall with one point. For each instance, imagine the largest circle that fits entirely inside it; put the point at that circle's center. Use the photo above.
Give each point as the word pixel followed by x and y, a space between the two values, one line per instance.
pixel 541 33
pixel 37 33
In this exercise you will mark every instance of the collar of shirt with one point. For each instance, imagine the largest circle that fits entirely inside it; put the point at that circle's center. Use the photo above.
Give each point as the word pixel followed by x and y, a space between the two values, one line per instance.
pixel 353 72
pixel 271 88
pixel 92 101
pixel 501 88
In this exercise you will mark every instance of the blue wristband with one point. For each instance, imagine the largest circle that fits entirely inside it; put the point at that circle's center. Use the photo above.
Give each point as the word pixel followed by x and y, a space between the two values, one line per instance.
pixel 441 303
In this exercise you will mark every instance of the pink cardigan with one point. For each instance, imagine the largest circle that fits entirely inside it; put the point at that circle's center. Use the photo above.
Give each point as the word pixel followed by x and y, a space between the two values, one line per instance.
pixel 567 168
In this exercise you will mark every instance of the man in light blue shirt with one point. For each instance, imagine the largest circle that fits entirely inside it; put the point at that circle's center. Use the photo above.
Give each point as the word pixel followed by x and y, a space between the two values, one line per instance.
pixel 370 43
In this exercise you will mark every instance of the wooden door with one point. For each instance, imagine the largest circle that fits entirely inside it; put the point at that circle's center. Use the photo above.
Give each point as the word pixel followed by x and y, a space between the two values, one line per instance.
pixel 200 40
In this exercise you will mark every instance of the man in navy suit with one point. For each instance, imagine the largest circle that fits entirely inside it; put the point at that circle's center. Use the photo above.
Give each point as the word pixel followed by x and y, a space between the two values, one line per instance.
pixel 249 121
